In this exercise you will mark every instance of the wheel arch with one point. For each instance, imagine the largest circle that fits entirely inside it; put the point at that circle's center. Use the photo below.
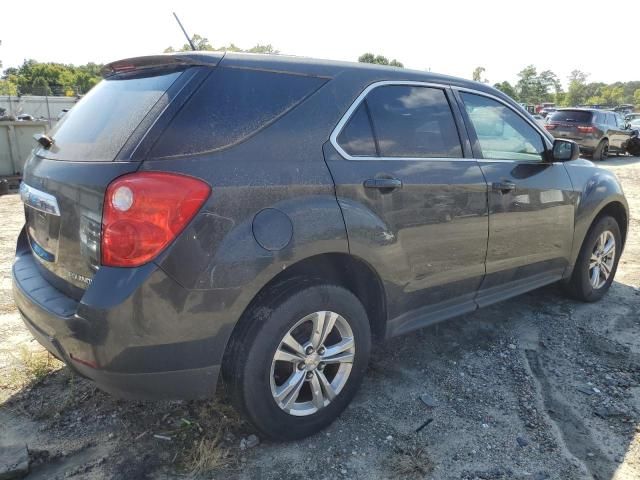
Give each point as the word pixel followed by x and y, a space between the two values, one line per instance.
pixel 618 211
pixel 341 269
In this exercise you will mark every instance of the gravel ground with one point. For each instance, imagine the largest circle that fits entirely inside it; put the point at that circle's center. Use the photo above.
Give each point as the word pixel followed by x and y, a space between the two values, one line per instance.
pixel 538 387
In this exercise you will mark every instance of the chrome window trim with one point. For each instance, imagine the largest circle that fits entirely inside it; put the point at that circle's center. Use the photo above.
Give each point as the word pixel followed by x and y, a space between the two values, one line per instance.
pixel 531 122
pixel 39 200
pixel 356 103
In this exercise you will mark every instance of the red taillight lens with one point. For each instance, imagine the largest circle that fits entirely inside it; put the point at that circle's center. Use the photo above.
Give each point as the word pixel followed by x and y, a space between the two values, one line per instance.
pixel 585 129
pixel 144 212
pixel 549 126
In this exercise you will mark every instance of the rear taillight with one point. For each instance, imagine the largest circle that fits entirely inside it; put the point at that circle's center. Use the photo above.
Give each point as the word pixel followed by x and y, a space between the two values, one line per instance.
pixel 144 212
pixel 586 128
pixel 549 126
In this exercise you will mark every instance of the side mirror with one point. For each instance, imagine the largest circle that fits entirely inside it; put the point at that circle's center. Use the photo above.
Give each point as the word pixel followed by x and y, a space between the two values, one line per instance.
pixel 565 150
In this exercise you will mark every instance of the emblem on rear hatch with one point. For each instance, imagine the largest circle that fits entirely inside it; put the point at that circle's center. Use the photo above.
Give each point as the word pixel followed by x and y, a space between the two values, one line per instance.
pixel 78 278
pixel 39 200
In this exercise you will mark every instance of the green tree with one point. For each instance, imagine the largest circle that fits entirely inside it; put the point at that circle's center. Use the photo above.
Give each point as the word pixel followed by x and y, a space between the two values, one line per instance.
pixel 203 44
pixel 550 87
pixel 526 87
pixel 379 60
pixel 636 97
pixel 506 88
pixel 7 87
pixel 577 91
pixel 35 78
pixel 477 75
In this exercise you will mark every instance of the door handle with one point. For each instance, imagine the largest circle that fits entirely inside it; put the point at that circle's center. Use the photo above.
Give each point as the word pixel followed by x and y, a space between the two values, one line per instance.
pixel 503 186
pixel 383 183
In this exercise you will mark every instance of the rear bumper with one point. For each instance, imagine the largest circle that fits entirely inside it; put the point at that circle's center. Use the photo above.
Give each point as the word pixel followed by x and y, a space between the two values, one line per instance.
pixel 586 143
pixel 124 353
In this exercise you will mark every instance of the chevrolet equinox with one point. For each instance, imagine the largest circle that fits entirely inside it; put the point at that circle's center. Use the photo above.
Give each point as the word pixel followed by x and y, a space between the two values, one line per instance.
pixel 266 218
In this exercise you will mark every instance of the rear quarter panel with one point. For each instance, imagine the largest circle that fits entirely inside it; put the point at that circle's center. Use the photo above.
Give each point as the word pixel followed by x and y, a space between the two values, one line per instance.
pixel 281 168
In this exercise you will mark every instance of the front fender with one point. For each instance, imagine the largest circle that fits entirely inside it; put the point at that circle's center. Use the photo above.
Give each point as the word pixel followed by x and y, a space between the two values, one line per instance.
pixel 597 188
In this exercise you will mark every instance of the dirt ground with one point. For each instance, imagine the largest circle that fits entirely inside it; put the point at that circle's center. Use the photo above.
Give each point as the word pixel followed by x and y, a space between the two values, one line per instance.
pixel 539 387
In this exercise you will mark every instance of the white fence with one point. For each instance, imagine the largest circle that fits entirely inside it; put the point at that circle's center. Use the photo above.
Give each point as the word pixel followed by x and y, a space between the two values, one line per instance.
pixel 42 108
pixel 16 143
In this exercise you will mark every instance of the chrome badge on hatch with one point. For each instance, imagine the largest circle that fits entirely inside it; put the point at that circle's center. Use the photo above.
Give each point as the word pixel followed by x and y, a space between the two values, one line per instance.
pixel 38 200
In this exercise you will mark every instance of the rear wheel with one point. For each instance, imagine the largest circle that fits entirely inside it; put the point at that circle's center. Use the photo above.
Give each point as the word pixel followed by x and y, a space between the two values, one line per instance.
pixel 597 262
pixel 301 362
pixel 602 150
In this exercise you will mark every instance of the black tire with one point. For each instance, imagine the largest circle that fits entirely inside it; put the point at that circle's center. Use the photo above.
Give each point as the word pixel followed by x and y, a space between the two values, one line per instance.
pixel 633 147
pixel 248 369
pixel 601 152
pixel 580 286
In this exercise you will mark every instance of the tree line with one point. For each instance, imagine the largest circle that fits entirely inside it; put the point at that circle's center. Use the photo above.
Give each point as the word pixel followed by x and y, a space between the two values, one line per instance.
pixel 535 88
pixel 532 87
pixel 35 78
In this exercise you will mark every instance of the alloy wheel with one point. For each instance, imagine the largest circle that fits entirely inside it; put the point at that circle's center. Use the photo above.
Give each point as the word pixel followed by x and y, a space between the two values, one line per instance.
pixel 312 364
pixel 602 259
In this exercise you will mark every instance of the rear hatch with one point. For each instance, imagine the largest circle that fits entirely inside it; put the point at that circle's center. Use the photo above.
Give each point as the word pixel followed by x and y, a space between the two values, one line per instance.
pixel 570 124
pixel 64 185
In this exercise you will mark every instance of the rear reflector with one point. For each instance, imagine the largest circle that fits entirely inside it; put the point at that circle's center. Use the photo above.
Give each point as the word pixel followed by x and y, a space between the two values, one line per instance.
pixel 549 126
pixel 88 363
pixel 144 212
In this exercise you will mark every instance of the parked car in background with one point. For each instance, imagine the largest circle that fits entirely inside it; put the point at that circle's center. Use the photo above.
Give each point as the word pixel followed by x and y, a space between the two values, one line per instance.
pixel 598 132
pixel 265 217
pixel 631 116
pixel 545 112
pixel 539 119
pixel 633 144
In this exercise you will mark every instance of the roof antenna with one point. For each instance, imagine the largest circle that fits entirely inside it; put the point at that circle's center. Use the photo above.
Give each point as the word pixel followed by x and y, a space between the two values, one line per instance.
pixel 193 47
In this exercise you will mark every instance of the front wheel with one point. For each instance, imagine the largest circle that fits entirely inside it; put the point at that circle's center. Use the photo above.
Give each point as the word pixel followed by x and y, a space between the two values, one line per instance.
pixel 633 147
pixel 302 361
pixel 597 262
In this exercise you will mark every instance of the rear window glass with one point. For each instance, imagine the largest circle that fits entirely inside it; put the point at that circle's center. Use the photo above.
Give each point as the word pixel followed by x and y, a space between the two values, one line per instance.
pixel 571 116
pixel 231 105
pixel 98 126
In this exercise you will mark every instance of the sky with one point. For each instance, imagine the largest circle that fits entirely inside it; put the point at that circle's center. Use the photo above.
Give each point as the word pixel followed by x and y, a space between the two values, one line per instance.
pixel 450 37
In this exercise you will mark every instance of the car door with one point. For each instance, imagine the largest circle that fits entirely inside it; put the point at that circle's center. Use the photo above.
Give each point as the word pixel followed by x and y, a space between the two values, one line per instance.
pixel 531 204
pixel 622 132
pixel 414 204
pixel 613 132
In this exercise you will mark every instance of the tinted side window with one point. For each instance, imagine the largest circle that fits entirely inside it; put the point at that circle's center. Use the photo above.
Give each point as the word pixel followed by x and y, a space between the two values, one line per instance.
pixel 502 133
pixel 356 137
pixel 230 105
pixel 611 119
pixel 413 122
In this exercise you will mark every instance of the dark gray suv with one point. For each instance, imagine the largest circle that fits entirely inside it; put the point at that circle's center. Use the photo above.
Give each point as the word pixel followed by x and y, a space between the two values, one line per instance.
pixel 267 218
pixel 598 132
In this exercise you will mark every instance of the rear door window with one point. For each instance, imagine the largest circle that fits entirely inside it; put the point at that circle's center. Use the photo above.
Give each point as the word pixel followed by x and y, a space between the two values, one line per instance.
pixel 231 105
pixel 357 136
pixel 413 122
pixel 98 126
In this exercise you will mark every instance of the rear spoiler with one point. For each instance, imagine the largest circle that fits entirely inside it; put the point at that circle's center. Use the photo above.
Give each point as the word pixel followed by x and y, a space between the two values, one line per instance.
pixel 187 59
